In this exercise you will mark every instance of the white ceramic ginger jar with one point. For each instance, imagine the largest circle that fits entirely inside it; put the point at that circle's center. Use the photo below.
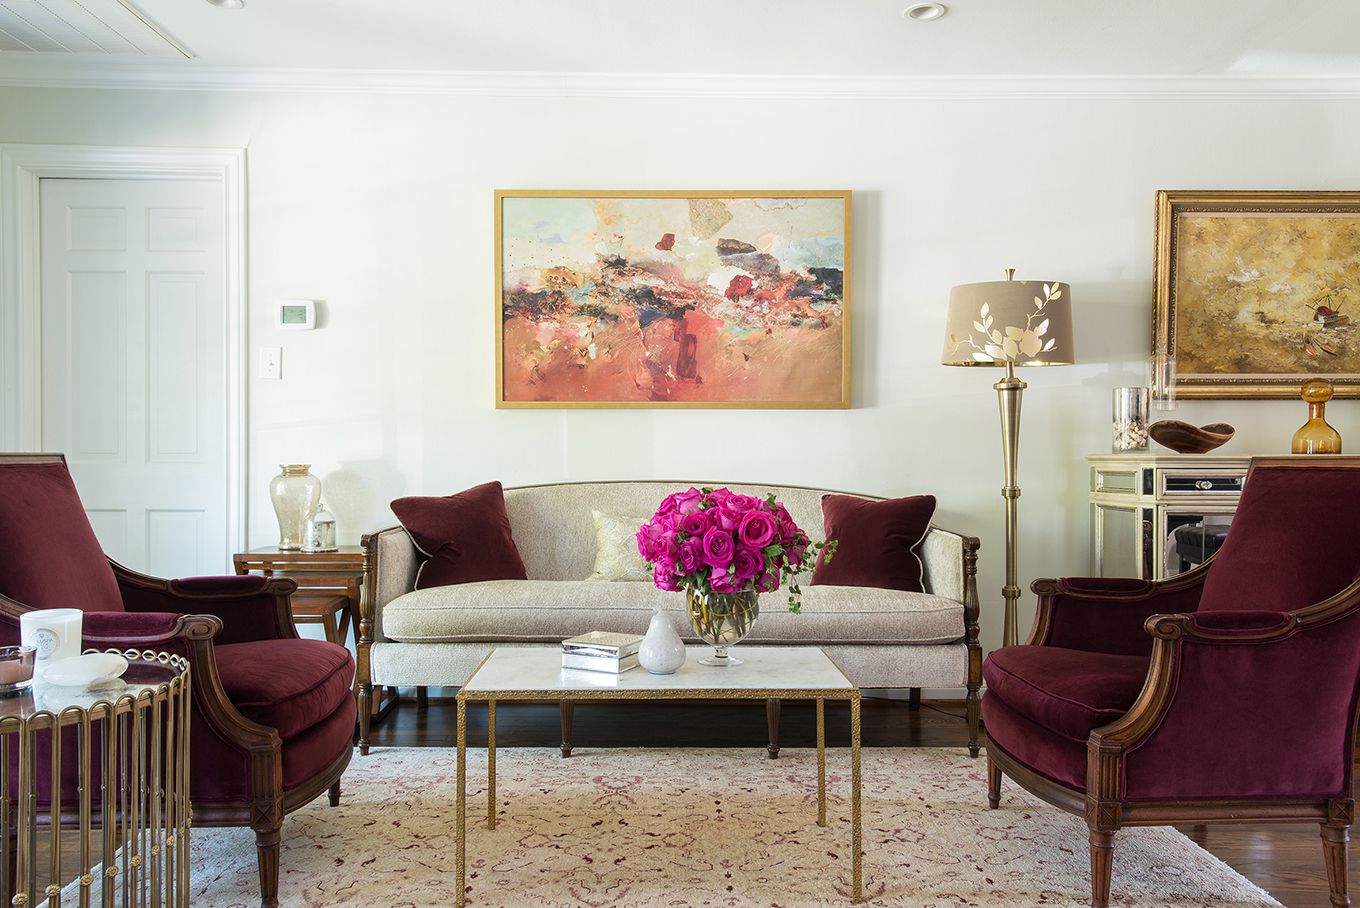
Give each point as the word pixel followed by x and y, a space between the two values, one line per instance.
pixel 662 651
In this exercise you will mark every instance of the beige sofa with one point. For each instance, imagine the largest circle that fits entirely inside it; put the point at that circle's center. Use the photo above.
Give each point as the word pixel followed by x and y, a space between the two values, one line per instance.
pixel 437 637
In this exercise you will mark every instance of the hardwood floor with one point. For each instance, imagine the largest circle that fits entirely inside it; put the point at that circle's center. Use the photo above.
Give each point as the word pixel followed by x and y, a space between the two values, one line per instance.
pixel 1283 859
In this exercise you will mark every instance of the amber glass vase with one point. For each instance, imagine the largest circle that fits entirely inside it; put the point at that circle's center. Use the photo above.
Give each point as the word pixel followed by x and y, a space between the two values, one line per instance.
pixel 1315 436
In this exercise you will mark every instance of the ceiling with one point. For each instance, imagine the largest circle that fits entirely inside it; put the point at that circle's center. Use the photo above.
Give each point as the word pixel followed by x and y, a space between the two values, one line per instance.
pixel 344 40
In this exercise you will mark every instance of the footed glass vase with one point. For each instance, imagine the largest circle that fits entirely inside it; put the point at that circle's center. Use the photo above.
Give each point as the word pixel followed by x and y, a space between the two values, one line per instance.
pixel 722 620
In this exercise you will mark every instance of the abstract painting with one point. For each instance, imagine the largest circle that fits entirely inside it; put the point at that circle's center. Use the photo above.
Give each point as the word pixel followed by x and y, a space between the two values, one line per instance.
pixel 1256 292
pixel 673 299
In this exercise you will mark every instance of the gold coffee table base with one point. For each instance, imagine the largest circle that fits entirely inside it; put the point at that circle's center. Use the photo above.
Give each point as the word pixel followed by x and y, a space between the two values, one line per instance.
pixel 540 668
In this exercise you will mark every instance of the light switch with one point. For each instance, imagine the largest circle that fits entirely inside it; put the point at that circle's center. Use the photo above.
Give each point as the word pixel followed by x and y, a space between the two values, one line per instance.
pixel 271 362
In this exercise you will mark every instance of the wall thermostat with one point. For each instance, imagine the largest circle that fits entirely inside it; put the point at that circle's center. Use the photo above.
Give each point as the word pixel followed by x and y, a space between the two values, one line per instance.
pixel 295 315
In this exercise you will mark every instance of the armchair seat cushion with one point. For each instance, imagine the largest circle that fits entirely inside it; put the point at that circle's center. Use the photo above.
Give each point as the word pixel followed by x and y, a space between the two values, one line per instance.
pixel 1067 691
pixel 290 685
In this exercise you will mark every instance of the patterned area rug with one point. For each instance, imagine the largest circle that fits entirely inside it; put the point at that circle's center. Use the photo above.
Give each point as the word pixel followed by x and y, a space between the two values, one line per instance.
pixel 695 827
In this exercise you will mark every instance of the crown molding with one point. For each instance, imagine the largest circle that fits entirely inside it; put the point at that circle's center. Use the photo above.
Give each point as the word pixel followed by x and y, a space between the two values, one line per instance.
pixel 39 72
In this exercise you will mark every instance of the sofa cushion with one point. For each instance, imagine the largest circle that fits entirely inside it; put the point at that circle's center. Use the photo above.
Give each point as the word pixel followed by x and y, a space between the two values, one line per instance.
pixel 287 684
pixel 548 611
pixel 617 556
pixel 875 541
pixel 464 537
pixel 1067 691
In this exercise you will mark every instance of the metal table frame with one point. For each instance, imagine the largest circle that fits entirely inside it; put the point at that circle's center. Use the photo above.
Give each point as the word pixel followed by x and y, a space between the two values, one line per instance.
pixel 635 691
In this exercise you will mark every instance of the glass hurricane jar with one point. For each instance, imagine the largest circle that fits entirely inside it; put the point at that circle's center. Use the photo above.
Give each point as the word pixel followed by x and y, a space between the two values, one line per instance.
pixel 318 531
pixel 295 494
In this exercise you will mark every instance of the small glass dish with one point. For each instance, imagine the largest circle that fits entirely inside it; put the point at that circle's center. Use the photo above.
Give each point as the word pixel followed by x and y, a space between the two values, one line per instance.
pixel 16 669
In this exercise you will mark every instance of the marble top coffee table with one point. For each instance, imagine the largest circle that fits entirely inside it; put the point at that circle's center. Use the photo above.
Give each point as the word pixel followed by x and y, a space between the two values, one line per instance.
pixel 536 673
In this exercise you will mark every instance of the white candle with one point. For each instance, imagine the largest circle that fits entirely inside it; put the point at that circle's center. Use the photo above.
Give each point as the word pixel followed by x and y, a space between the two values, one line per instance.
pixel 54 631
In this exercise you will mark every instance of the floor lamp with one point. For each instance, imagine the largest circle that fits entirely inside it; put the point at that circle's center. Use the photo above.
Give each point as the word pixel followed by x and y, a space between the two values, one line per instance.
pixel 1010 323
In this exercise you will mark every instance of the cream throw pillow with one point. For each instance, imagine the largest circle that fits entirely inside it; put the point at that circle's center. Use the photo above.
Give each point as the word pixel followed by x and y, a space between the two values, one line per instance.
pixel 617 556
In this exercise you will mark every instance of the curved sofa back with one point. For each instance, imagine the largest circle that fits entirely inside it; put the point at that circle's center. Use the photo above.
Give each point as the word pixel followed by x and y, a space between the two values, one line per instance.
pixel 555 533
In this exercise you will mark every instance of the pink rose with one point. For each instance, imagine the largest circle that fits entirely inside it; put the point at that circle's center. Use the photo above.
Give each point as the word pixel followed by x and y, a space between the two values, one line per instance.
pixel 648 540
pixel 689 501
pixel 691 556
pixel 768 581
pixel 718 548
pixel 696 523
pixel 747 564
pixel 665 579
pixel 723 582
pixel 741 503
pixel 757 529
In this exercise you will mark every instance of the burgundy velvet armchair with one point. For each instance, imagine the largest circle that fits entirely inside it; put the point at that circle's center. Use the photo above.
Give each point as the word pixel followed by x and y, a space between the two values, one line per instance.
pixel 273 714
pixel 1227 694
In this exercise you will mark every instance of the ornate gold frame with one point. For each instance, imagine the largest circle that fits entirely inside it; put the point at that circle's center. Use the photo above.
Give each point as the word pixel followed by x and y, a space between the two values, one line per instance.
pixel 1171 207
pixel 502 402
pixel 820 695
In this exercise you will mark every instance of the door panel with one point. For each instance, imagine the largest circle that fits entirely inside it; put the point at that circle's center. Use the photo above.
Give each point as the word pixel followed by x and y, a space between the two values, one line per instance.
pixel 134 364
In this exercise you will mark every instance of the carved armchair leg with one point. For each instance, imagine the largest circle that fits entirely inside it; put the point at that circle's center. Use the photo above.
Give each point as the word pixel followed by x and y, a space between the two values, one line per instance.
pixel 1102 864
pixel 267 852
pixel 1335 839
pixel 772 720
pixel 993 784
pixel 334 794
pixel 568 709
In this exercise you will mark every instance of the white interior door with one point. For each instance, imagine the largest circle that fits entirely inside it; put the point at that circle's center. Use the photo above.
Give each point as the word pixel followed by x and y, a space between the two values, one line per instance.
pixel 134 377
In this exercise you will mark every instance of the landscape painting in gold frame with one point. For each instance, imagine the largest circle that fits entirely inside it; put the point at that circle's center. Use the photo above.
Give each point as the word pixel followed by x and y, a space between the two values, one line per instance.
pixel 1256 292
pixel 673 299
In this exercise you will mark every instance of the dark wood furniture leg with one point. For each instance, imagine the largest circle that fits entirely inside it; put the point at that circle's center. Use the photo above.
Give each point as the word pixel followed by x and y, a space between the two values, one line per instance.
pixel 914 700
pixel 567 708
pixel 422 698
pixel 772 720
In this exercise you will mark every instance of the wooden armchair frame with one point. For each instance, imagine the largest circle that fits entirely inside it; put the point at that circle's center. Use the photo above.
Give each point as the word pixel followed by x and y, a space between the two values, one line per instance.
pixel 1166 611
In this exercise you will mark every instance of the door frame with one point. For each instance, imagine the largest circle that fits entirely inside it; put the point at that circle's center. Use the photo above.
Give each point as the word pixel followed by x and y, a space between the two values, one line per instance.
pixel 22 167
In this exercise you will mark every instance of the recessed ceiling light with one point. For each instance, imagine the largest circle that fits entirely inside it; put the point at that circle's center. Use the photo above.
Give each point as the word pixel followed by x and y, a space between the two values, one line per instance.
pixel 228 4
pixel 922 12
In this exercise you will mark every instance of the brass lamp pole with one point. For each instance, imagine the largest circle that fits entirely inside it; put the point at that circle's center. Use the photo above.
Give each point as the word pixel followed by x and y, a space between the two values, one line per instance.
pixel 1009 323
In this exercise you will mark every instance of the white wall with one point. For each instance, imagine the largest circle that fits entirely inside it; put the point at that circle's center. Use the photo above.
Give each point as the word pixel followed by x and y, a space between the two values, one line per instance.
pixel 381 207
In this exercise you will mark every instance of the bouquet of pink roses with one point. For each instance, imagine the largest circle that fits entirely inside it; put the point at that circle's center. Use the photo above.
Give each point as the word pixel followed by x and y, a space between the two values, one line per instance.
pixel 719 541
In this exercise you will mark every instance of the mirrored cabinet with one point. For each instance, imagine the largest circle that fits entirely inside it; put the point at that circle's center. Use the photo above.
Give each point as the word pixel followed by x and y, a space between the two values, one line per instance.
pixel 1155 515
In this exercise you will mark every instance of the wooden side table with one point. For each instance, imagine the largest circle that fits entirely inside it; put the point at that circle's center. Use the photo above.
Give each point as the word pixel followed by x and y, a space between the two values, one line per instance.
pixel 329 583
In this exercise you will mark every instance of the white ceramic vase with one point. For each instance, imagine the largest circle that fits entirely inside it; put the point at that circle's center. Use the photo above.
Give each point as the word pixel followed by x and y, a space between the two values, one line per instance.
pixel 662 651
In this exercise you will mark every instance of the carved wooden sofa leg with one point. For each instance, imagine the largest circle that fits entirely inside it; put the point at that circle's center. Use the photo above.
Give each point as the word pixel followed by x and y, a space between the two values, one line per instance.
pixel 568 709
pixel 772 721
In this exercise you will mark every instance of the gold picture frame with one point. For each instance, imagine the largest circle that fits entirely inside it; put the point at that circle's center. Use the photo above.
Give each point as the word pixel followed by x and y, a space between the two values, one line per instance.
pixel 1256 292
pixel 672 299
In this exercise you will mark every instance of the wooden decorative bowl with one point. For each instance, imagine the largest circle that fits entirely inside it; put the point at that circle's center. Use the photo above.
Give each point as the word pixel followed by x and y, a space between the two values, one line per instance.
pixel 1187 439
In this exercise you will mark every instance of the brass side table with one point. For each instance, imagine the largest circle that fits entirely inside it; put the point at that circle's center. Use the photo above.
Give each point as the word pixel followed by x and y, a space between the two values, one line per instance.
pixel 125 746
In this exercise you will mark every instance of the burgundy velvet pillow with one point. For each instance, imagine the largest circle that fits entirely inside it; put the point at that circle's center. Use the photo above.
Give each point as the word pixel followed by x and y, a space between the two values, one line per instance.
pixel 49 556
pixel 875 541
pixel 465 537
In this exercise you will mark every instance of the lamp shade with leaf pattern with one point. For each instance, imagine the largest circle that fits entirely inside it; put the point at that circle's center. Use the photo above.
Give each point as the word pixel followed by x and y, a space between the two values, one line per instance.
pixel 1027 323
